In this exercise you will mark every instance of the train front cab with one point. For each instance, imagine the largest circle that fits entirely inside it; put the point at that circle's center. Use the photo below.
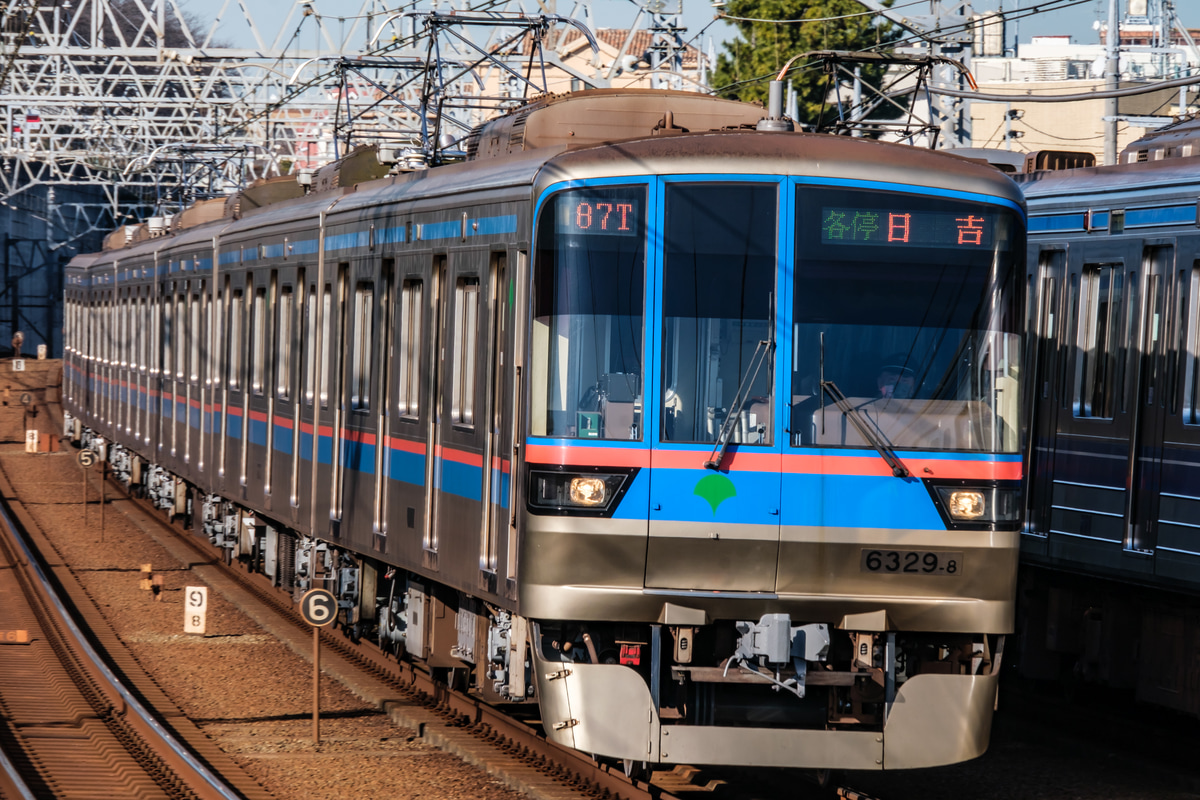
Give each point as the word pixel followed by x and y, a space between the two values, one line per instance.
pixel 805 573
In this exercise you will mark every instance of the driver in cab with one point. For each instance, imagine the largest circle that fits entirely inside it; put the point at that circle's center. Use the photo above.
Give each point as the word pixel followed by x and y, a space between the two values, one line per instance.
pixel 895 381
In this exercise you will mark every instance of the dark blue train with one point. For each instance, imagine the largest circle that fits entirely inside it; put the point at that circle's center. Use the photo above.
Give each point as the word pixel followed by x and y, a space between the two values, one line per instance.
pixel 1111 548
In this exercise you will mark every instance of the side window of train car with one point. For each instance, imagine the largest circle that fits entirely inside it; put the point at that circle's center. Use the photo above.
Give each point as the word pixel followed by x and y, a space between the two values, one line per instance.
pixel 326 346
pixel 283 348
pixel 310 345
pixel 258 332
pixel 234 359
pixel 360 377
pixel 197 335
pixel 143 341
pixel 1100 340
pixel 409 357
pixel 466 323
pixel 181 300
pixel 168 333
pixel 220 335
pixel 209 369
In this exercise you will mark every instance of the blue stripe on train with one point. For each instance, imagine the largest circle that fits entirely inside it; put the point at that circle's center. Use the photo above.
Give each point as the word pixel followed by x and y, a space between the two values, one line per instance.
pixel 858 501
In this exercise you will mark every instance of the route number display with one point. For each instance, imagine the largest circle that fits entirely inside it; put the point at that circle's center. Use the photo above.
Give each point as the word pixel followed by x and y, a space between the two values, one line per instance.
pixel 318 607
pixel 195 609
pixel 86 458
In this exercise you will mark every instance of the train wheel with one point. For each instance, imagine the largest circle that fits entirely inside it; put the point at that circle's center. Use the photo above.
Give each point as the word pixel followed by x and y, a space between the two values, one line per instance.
pixel 636 770
pixel 824 778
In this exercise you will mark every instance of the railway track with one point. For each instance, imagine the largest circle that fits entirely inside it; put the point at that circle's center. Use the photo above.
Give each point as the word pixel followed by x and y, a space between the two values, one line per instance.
pixel 458 723
pixel 510 749
pixel 450 720
pixel 72 725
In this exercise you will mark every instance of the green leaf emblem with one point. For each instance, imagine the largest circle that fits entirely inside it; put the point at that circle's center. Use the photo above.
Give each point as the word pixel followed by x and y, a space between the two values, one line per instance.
pixel 715 489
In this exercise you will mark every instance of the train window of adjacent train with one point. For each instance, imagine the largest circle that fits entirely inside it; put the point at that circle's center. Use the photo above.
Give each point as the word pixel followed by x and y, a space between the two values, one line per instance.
pixel 1178 334
pixel 409 356
pixel 1159 262
pixel 586 371
pixel 466 324
pixel 1100 340
pixel 310 345
pixel 283 350
pixel 1191 374
pixel 234 359
pixel 360 376
pixel 258 342
pixel 719 262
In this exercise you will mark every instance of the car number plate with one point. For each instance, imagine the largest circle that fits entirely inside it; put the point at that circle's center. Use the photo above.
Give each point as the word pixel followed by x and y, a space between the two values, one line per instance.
pixel 912 562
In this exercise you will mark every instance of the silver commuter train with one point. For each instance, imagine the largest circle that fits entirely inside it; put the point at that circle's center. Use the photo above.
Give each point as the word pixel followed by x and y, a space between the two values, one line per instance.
pixel 705 438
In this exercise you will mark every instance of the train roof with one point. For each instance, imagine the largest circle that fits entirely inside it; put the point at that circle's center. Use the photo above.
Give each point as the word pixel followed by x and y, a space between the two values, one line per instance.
pixel 579 135
pixel 1118 179
pixel 817 156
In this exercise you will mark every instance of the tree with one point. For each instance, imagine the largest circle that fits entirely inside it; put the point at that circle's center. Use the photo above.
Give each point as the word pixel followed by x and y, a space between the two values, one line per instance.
pixel 761 49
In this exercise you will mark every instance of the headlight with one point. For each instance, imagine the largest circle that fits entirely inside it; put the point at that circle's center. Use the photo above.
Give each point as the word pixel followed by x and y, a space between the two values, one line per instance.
pixel 587 491
pixel 967 505
pixel 577 492
pixel 980 505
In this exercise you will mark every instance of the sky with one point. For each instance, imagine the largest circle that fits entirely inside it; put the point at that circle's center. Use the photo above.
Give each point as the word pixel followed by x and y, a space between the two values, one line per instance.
pixel 697 15
pixel 1076 21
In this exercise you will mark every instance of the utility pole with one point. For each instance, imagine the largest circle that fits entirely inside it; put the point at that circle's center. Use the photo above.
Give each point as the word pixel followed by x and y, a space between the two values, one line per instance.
pixel 948 32
pixel 1112 72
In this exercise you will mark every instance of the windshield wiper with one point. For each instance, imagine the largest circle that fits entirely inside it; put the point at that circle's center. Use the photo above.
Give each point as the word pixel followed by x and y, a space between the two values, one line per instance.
pixel 872 434
pixel 761 350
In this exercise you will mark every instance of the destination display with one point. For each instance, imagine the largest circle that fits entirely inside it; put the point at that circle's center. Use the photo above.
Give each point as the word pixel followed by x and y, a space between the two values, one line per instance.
pixel 614 213
pixel 856 226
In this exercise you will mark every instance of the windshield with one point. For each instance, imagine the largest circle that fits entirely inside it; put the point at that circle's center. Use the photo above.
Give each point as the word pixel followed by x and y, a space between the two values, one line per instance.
pixel 718 283
pixel 588 287
pixel 906 304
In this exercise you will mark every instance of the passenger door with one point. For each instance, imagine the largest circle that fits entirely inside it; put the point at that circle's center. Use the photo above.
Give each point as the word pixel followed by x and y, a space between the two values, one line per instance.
pixel 1089 498
pixel 716 450
pixel 460 477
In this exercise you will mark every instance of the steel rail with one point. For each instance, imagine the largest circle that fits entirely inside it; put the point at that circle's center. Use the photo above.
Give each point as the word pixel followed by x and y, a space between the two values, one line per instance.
pixel 460 709
pixel 202 781
pixel 12 785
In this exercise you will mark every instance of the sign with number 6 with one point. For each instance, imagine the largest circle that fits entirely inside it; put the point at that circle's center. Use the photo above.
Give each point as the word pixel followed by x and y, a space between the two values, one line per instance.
pixel 318 607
